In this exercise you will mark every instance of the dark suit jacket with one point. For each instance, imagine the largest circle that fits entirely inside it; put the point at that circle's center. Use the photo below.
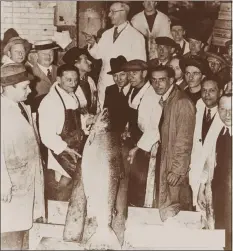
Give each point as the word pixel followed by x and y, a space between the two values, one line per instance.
pixel 40 86
pixel 117 106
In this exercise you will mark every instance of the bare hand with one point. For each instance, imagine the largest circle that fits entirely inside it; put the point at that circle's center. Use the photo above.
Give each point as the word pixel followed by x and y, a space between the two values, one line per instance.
pixel 91 120
pixel 173 178
pixel 6 194
pixel 75 155
pixel 125 135
pixel 132 154
pixel 201 199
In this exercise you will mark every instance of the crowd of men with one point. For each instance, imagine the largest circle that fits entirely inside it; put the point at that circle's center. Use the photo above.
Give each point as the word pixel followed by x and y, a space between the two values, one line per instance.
pixel 172 101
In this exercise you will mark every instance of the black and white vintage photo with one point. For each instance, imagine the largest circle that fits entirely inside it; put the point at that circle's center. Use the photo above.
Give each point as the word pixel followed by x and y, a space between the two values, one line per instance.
pixel 116 125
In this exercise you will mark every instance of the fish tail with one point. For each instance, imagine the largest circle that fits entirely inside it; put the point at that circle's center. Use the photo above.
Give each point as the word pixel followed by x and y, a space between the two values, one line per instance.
pixel 104 239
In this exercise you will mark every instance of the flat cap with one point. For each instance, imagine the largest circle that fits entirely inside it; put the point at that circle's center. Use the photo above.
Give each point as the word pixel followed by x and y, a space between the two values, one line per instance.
pixel 135 65
pixel 166 41
pixel 200 63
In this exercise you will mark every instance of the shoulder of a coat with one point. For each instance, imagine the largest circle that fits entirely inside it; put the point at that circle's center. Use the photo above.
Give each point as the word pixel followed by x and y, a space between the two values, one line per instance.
pixel 164 16
pixel 136 16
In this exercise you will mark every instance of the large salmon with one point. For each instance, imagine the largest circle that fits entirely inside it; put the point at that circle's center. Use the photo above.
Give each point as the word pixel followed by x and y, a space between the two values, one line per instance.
pixel 101 170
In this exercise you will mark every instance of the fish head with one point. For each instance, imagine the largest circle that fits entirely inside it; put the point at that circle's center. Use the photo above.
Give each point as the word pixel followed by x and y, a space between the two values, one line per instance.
pixel 102 123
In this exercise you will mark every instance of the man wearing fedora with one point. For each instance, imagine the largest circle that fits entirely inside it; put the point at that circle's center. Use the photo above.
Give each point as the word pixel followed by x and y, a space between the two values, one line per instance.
pixel 22 180
pixel 144 116
pixel 197 42
pixel 116 96
pixel 178 33
pixel 121 39
pixel 195 69
pixel 15 49
pixel 166 46
pixel 44 70
pixel 86 91
pixel 216 62
pixel 176 132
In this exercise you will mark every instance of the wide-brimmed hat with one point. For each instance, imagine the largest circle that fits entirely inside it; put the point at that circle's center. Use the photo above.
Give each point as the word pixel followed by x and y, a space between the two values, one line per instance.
pixel 216 56
pixel 14 73
pixel 135 65
pixel 200 63
pixel 117 64
pixel 166 41
pixel 73 54
pixel 45 45
pixel 16 40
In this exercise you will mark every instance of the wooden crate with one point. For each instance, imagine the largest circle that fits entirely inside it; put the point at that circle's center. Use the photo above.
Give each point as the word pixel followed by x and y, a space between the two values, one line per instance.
pixel 223 24
pixel 219 41
pixel 225 7
pixel 224 15
pixel 222 33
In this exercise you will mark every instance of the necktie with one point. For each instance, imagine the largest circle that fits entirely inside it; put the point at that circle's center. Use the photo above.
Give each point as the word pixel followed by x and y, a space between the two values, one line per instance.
pixel 86 90
pixel 208 116
pixel 115 34
pixel 49 75
pixel 23 112
pixel 134 93
pixel 226 130
pixel 161 102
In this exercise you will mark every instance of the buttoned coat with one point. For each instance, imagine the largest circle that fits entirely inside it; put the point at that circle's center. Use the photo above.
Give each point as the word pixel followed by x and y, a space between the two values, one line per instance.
pixel 176 146
pixel 21 169
pixel 130 44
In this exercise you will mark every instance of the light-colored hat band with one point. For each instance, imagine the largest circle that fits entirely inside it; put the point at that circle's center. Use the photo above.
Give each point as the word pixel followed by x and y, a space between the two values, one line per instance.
pixel 14 79
pixel 45 47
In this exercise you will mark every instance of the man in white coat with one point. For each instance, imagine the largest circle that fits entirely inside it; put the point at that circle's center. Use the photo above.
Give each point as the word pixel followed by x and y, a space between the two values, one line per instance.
pixel 22 182
pixel 86 91
pixel 121 39
pixel 152 23
pixel 144 116
pixel 207 108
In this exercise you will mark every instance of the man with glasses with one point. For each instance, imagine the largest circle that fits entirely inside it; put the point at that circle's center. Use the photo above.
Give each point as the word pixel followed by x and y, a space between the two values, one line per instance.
pixel 121 39
pixel 194 69
pixel 176 132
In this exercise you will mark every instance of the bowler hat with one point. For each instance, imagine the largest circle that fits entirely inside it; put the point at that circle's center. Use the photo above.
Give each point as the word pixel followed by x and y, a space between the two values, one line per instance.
pixel 166 41
pixel 116 64
pixel 16 40
pixel 8 34
pixel 45 45
pixel 73 54
pixel 177 22
pixel 14 73
pixel 135 65
pixel 196 61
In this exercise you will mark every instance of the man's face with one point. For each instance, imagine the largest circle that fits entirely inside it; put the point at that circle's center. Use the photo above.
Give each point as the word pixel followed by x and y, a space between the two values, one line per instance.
pixel 17 53
pixel 83 64
pixel 117 14
pixel 174 64
pixel 214 64
pixel 136 78
pixel 45 57
pixel 177 33
pixel 161 82
pixel 210 93
pixel 68 81
pixel 149 6
pixel 164 52
pixel 120 78
pixel 194 46
pixel 193 76
pixel 20 91
pixel 224 110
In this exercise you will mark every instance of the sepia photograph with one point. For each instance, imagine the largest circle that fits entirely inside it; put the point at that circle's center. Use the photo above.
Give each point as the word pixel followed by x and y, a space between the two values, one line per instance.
pixel 116 125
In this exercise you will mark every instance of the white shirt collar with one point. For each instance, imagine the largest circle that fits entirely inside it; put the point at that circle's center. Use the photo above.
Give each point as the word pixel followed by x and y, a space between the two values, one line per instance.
pixel 121 26
pixel 213 111
pixel 163 63
pixel 166 95
pixel 45 69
